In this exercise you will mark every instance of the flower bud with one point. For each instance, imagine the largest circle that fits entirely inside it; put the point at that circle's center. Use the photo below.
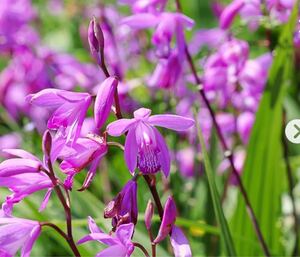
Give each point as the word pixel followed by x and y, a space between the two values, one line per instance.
pixel 47 143
pixel 96 40
pixel 149 214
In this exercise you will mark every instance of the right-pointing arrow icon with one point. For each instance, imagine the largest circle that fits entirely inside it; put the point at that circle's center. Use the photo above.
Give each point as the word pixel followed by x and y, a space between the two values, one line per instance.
pixel 292 131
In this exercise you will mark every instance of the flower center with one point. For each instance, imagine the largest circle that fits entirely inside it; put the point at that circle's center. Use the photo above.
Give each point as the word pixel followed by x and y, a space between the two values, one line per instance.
pixel 147 159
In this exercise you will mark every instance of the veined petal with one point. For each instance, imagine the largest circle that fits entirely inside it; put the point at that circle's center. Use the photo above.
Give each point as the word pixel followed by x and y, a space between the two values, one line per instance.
pixel 131 151
pixel 163 155
pixel 170 121
pixel 104 100
pixel 180 243
pixel 119 127
pixel 141 21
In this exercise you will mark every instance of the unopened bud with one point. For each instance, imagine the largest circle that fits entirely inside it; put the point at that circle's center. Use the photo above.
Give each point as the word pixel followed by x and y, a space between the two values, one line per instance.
pixel 96 40
pixel 113 207
pixel 149 214
pixel 47 143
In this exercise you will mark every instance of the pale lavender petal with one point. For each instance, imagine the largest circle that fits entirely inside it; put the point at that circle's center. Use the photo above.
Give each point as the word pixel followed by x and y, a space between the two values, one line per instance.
pixel 113 251
pixel 45 200
pixel 47 98
pixel 170 121
pixel 104 100
pixel 119 127
pixel 180 243
pixel 98 236
pixel 124 233
pixel 21 153
pixel 230 12
pixel 34 234
pixel 93 226
pixel 131 151
pixel 141 21
pixel 142 113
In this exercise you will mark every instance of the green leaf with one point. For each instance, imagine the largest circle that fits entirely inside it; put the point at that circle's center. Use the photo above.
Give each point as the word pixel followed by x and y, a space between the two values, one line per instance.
pixel 225 232
pixel 263 174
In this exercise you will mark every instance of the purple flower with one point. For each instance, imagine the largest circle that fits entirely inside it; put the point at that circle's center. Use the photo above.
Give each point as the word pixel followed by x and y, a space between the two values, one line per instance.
pixel 16 234
pixel 123 208
pixel 119 245
pixel 166 26
pixel 23 177
pixel 145 147
pixel 104 100
pixel 179 242
pixel 70 110
pixel 85 152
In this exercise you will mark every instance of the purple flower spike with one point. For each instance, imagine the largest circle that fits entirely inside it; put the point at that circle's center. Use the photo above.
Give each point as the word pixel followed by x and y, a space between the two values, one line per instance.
pixel 17 234
pixel 104 100
pixel 145 147
pixel 168 220
pixel 230 12
pixel 119 245
pixel 96 40
pixel 70 109
pixel 85 152
pixel 123 208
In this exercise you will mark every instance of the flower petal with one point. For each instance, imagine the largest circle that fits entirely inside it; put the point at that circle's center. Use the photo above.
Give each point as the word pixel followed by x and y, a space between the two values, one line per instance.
pixel 18 166
pixel 21 153
pixel 98 237
pixel 179 243
pixel 174 122
pixel 131 151
pixel 119 127
pixel 30 241
pixel 141 21
pixel 113 251
pixel 45 200
pixel 124 233
pixel 229 13
pixel 164 154
pixel 104 100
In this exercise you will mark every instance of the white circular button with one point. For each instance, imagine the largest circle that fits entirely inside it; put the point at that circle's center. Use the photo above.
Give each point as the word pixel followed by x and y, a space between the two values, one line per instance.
pixel 292 131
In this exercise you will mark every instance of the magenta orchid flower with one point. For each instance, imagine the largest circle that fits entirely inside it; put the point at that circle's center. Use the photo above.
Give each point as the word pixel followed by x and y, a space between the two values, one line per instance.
pixel 23 177
pixel 85 152
pixel 145 147
pixel 119 245
pixel 16 234
pixel 166 26
pixel 70 110
pixel 123 208
pixel 179 242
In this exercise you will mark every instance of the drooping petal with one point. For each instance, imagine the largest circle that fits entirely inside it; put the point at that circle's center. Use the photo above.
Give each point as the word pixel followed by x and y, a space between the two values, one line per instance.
pixel 131 151
pixel 119 127
pixel 45 200
pixel 141 21
pixel 230 12
pixel 180 243
pixel 104 100
pixel 26 250
pixel 164 154
pixel 174 122
pixel 168 220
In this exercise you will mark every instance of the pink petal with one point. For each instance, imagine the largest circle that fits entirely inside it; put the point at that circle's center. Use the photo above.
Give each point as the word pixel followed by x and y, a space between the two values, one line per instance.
pixel 104 100
pixel 45 200
pixel 98 236
pixel 230 12
pixel 30 241
pixel 125 232
pixel 164 155
pixel 179 243
pixel 18 166
pixel 119 127
pixel 21 153
pixel 173 122
pixel 131 151
pixel 93 226
pixel 113 251
pixel 142 113
pixel 141 21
